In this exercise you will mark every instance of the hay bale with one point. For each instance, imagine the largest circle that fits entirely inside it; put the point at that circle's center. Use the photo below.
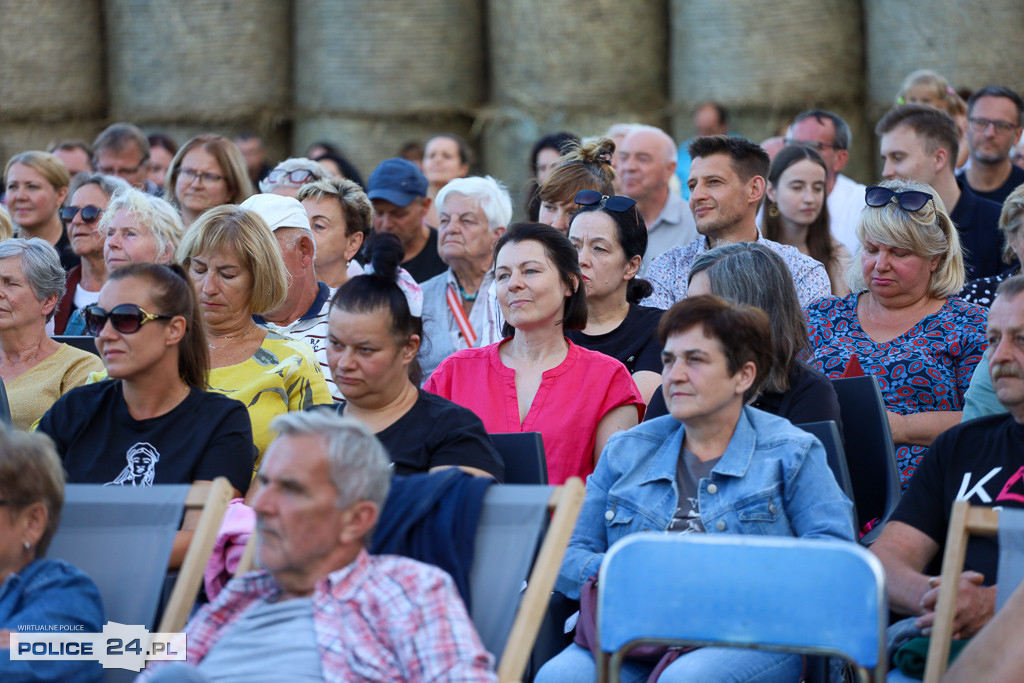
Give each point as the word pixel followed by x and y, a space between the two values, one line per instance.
pixel 179 62
pixel 51 60
pixel 20 136
pixel 400 57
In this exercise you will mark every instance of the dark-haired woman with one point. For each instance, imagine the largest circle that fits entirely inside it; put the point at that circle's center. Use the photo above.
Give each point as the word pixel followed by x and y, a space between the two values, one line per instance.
pixel 152 422
pixel 611 237
pixel 544 157
pixel 375 330
pixel 797 214
pixel 536 380
pixel 586 166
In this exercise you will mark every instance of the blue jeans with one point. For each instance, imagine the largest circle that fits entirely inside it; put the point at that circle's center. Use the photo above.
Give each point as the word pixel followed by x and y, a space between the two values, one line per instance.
pixel 575 664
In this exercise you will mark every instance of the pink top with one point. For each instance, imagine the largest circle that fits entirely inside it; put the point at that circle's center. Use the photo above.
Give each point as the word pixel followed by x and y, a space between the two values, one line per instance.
pixel 569 404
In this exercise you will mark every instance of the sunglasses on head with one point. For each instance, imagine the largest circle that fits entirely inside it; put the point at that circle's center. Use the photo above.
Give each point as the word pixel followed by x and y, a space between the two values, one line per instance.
pixel 911 200
pixel 126 318
pixel 89 213
pixel 296 177
pixel 617 203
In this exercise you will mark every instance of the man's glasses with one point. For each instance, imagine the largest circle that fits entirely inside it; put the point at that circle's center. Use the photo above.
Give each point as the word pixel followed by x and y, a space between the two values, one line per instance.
pixel 89 213
pixel 813 144
pixel 978 125
pixel 121 172
pixel 618 204
pixel 190 174
pixel 295 177
pixel 126 318
pixel 911 200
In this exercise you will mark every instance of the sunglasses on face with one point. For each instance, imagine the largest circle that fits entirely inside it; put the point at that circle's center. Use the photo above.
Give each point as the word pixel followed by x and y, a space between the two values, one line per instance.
pixel 911 200
pixel 295 177
pixel 126 318
pixel 618 204
pixel 89 213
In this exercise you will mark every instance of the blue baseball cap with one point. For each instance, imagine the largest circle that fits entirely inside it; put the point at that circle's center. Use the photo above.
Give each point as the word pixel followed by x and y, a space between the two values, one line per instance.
pixel 398 181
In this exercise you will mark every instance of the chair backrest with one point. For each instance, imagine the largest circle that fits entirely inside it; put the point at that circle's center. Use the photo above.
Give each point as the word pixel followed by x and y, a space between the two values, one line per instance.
pixel 966 520
pixel 5 407
pixel 523 453
pixel 870 453
pixel 80 342
pixel 828 435
pixel 122 538
pixel 790 594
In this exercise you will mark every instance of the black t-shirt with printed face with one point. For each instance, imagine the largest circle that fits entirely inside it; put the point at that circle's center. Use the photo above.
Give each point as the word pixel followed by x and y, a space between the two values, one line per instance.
pixel 980 461
pixel 205 436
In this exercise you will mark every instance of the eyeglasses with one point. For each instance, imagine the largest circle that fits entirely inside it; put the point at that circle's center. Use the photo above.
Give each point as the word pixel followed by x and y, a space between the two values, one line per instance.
pixel 190 174
pixel 89 213
pixel 618 204
pixel 813 144
pixel 978 125
pixel 126 318
pixel 296 177
pixel 121 172
pixel 911 200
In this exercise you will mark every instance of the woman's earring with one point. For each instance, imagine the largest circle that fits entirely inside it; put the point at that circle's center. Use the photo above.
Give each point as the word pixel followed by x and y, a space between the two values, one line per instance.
pixel 773 210
pixel 28 545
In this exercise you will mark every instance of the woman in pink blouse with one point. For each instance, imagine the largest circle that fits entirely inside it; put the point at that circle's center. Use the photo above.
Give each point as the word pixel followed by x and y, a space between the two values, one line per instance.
pixel 536 380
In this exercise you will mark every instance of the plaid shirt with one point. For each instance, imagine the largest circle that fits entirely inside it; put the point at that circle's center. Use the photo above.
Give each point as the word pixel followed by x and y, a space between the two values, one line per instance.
pixel 381 618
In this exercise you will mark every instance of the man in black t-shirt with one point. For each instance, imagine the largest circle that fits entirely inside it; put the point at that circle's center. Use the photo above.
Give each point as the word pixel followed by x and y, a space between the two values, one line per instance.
pixel 980 461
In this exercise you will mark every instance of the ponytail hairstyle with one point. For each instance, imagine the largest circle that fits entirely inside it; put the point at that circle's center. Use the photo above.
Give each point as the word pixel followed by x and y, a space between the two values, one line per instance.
pixel 173 294
pixel 585 166
pixel 378 289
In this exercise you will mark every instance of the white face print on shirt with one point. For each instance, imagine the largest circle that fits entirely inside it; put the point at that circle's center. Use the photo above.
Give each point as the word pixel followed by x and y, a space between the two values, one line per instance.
pixel 141 468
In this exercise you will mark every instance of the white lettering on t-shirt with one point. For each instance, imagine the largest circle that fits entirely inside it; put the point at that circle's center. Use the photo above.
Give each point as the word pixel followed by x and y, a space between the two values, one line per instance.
pixel 978 489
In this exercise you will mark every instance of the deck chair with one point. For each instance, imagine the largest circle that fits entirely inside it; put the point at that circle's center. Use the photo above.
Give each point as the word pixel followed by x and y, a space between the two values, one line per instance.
pixel 122 538
pixel 807 596
pixel 870 453
pixel 80 342
pixel 5 407
pixel 967 520
pixel 828 435
pixel 523 453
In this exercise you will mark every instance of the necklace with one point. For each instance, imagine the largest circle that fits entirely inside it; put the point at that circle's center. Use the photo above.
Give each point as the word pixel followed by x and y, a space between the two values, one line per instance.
pixel 467 297
pixel 232 338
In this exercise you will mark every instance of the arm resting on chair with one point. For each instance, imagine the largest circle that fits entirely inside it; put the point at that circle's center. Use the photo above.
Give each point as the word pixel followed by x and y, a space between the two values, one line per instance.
pixel 920 429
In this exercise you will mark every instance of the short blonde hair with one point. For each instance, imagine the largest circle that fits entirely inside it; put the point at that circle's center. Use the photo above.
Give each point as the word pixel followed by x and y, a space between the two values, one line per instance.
pixel 927 232
pixel 153 212
pixel 6 225
pixel 248 235
pixel 1010 220
pixel 355 205
pixel 44 163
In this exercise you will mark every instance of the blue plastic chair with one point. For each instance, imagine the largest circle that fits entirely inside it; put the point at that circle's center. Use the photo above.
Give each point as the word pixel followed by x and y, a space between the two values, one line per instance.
pixel 806 596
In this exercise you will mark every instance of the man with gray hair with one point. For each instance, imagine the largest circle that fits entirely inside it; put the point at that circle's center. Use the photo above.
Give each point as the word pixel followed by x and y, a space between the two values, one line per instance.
pixel 303 315
pixel 459 311
pixel 644 166
pixel 322 608
pixel 122 150
pixel 290 175
pixel 829 134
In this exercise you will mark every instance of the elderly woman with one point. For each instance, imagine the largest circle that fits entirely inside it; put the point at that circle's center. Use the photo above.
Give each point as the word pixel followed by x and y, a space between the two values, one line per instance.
pixel 903 322
pixel 458 311
pixel 207 171
pixel 35 369
pixel 1011 223
pixel 35 591
pixel 236 268
pixel 375 331
pixel 90 195
pixel 446 157
pixel 587 166
pixel 714 465
pixel 35 186
pixel 536 380
pixel 290 175
pixel 341 216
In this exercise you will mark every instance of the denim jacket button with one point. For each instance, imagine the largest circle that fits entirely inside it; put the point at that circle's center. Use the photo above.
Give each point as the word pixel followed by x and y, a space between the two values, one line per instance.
pixel 712 488
pixel 610 515
pixel 720 525
pixel 771 508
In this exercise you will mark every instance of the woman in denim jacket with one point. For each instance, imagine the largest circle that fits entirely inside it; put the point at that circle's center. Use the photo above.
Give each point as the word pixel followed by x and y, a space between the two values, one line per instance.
pixel 34 591
pixel 714 465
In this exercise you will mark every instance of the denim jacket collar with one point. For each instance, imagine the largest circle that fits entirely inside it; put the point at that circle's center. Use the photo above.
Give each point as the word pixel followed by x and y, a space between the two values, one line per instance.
pixel 734 462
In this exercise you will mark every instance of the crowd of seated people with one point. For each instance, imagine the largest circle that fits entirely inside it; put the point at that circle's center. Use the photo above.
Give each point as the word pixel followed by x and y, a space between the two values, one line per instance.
pixel 417 315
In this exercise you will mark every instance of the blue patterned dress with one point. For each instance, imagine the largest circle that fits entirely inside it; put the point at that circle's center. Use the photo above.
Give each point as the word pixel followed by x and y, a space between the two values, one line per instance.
pixel 927 368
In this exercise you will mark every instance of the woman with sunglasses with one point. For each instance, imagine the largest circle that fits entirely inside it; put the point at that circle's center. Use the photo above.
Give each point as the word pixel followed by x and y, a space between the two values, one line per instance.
pixel 35 369
pixel 153 421
pixel 536 380
pixel 208 171
pixel 35 186
pixel 903 322
pixel 90 195
pixel 610 237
